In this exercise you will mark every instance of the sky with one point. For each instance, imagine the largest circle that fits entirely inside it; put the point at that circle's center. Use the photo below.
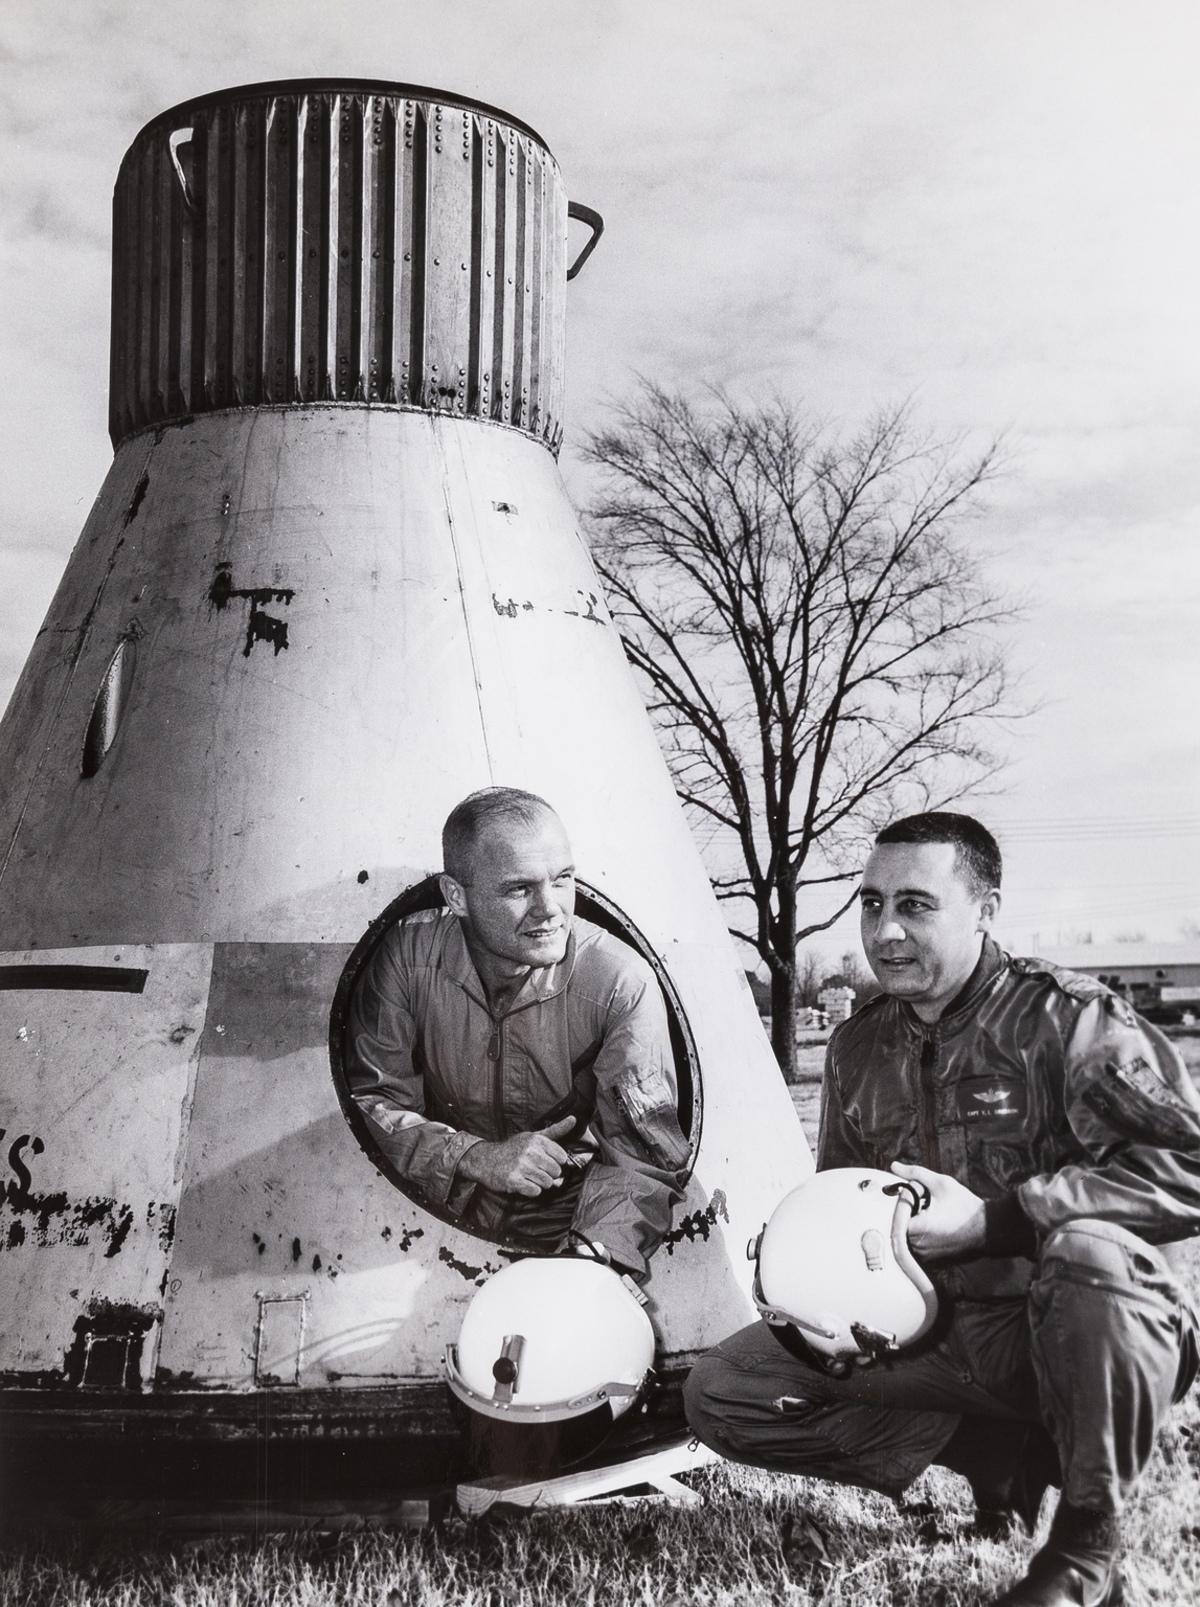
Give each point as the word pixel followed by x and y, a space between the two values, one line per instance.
pixel 993 210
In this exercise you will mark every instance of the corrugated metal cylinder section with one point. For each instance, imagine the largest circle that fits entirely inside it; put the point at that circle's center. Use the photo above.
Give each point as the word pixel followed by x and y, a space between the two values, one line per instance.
pixel 315 243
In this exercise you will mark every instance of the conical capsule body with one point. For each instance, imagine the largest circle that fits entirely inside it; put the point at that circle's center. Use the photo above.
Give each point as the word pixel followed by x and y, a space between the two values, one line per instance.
pixel 331 585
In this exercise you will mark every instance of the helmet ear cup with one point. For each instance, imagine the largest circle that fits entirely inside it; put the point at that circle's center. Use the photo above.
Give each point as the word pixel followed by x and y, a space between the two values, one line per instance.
pixel 551 1352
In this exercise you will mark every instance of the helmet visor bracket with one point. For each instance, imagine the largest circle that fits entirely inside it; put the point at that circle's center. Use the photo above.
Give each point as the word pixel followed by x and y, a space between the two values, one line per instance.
pixel 536 1411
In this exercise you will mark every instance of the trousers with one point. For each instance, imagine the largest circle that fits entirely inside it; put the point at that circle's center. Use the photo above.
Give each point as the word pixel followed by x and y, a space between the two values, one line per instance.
pixel 1102 1345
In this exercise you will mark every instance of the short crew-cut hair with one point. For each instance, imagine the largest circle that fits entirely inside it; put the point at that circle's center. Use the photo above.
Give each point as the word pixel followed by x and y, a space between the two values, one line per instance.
pixel 977 853
pixel 467 820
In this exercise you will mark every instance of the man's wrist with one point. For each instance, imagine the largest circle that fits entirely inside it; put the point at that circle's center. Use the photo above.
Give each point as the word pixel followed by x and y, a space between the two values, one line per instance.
pixel 1007 1229
pixel 467 1172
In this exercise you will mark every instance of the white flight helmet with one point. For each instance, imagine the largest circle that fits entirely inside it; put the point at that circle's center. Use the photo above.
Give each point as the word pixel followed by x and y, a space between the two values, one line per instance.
pixel 548 1339
pixel 835 1267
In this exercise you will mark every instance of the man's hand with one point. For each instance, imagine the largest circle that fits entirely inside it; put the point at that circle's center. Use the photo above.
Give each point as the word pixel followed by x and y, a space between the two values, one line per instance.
pixel 953 1221
pixel 525 1164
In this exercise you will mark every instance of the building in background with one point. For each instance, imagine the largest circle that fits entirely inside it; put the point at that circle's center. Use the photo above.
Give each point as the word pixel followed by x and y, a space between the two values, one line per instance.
pixel 1160 980
pixel 837 1003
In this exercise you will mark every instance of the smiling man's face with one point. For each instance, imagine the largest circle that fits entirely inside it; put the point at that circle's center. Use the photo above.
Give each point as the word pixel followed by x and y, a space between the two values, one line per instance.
pixel 517 905
pixel 922 923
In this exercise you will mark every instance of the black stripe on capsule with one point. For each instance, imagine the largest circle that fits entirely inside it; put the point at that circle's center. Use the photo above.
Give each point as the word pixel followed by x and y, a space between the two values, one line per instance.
pixel 74 978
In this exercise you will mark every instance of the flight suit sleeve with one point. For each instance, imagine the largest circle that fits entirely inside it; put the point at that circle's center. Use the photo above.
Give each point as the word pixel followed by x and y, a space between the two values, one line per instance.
pixel 386 1084
pixel 1133 1107
pixel 638 1174
pixel 838 1142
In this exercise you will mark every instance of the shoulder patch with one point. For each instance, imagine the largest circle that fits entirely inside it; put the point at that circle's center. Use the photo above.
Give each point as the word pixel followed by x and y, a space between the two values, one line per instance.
pixel 1075 984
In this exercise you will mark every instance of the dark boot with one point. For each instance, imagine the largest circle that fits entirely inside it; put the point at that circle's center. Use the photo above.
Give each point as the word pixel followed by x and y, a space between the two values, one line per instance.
pixel 1077 1567
pixel 1009 1467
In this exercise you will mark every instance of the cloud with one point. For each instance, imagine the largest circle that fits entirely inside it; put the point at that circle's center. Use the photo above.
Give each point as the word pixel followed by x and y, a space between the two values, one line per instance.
pixel 992 208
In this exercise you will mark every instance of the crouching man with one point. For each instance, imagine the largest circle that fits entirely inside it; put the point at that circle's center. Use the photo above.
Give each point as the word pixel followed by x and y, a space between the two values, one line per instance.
pixel 1059 1138
pixel 513 1060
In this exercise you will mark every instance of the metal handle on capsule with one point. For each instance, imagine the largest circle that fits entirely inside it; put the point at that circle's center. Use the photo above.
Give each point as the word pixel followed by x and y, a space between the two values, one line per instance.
pixel 584 214
pixel 182 137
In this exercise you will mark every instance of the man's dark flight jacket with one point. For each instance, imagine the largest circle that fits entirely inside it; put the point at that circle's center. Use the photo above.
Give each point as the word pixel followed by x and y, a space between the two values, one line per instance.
pixel 1041 1091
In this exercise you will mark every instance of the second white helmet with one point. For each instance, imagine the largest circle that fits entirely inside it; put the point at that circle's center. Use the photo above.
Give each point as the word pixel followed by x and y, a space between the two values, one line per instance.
pixel 835 1266
pixel 549 1339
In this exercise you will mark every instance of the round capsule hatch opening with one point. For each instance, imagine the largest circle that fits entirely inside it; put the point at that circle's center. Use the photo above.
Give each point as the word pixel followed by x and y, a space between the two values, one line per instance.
pixel 592 906
pixel 108 707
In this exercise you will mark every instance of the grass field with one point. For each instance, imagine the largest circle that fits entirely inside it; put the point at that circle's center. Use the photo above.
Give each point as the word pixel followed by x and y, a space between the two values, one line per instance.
pixel 747 1546
pixel 757 1539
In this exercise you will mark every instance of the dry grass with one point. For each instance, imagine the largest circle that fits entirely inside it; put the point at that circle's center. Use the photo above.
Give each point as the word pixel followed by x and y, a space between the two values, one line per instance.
pixel 732 1550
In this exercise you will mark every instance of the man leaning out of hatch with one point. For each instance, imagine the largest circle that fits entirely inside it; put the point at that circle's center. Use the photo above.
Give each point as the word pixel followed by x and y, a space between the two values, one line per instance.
pixel 514 1060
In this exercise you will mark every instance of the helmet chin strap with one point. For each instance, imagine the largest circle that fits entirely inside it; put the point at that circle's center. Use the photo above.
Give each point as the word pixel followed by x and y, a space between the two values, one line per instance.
pixel 917 1194
pixel 911 1197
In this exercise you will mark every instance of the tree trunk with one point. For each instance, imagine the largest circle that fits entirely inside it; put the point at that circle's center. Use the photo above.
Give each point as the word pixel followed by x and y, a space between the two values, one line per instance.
pixel 783 1019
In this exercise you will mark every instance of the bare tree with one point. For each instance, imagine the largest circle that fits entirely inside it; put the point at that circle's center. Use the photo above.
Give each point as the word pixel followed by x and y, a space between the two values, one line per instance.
pixel 814 633
pixel 811 971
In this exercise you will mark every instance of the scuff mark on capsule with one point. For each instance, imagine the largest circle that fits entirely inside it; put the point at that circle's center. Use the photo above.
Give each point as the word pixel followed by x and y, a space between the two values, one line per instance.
pixel 461 1267
pixel 260 626
pixel 135 502
pixel 43 1220
pixel 165 1212
pixel 590 613
pixel 475 1275
pixel 699 1224
pixel 106 1350
pixel 408 1236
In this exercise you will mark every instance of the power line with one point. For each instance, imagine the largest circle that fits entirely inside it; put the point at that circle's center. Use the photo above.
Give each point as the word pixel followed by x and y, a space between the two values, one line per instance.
pixel 1096 828
pixel 1097 912
pixel 1112 819
pixel 1137 885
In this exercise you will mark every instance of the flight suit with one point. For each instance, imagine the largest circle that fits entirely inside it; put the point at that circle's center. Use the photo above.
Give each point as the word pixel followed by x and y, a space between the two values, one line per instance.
pixel 434 1069
pixel 1078 1125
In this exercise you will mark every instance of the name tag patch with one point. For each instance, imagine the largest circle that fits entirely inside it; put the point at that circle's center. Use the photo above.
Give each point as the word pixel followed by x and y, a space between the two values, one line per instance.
pixel 991 1099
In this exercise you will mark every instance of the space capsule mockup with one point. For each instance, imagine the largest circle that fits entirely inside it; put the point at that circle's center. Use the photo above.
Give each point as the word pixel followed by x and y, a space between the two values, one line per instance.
pixel 331 585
